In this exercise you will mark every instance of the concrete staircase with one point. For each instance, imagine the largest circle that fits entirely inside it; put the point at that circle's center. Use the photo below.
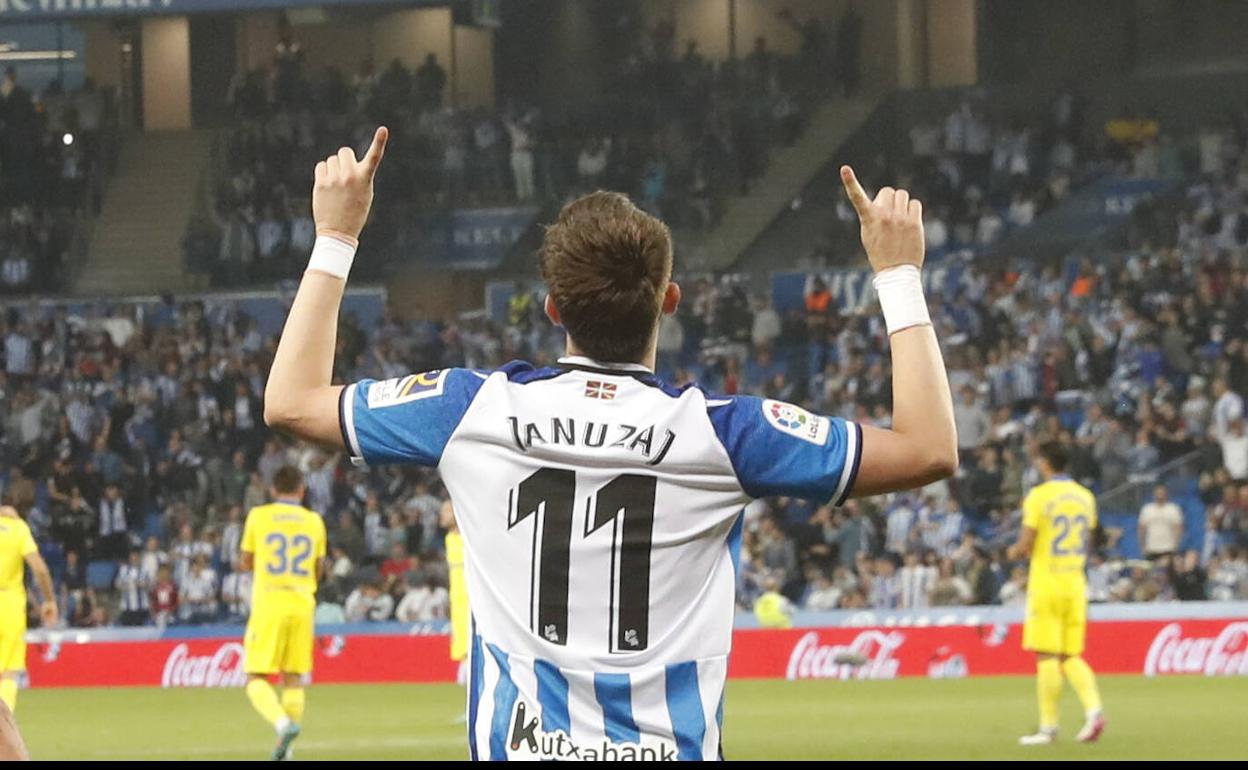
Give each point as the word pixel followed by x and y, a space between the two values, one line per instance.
pixel 136 245
pixel 790 169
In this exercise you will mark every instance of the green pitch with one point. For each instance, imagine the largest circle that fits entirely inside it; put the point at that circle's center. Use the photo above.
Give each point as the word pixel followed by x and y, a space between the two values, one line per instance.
pixel 1164 718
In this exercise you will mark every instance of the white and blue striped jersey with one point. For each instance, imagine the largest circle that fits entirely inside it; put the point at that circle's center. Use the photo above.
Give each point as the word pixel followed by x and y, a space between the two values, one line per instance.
pixel 601 517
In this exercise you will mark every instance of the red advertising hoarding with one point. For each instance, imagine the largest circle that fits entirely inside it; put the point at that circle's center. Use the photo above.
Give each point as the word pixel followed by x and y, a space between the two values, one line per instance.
pixel 1210 647
pixel 1150 647
pixel 358 658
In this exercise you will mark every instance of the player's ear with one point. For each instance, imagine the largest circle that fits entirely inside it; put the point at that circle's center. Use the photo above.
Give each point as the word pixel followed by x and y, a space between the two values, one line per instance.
pixel 671 298
pixel 552 312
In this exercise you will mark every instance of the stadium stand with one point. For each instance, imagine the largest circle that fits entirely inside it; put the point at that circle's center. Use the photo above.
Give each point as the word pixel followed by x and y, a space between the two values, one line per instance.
pixel 56 148
pixel 132 432
pixel 681 149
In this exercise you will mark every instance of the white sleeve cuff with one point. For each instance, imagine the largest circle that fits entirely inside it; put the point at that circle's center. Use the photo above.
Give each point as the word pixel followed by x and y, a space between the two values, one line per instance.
pixel 332 255
pixel 900 290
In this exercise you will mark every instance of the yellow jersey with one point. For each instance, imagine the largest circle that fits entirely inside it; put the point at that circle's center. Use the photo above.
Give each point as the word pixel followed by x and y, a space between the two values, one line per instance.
pixel 772 611
pixel 16 543
pixel 288 544
pixel 458 589
pixel 1063 514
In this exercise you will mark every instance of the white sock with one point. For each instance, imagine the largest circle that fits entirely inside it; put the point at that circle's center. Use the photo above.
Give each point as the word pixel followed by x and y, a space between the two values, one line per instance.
pixel 282 724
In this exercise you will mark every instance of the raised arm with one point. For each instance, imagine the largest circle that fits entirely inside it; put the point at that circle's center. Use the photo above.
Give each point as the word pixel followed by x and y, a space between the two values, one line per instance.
pixel 298 397
pixel 922 446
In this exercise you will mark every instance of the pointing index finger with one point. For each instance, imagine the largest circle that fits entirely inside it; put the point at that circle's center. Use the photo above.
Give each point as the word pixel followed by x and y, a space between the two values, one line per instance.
pixel 378 150
pixel 857 196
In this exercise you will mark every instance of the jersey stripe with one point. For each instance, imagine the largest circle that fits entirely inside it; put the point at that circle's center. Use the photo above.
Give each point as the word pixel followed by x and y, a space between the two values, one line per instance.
pixel 485 709
pixel 853 454
pixel 505 693
pixel 346 420
pixel 552 695
pixel 710 671
pixel 684 704
pixel 719 722
pixel 615 695
pixel 475 686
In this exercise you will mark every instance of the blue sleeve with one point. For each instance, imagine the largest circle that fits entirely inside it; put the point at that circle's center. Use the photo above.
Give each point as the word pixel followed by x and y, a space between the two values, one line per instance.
pixel 778 449
pixel 407 419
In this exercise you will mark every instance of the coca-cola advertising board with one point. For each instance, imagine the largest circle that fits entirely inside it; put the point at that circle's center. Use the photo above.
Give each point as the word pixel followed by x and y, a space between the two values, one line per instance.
pixel 1150 647
pixel 1210 647
pixel 218 662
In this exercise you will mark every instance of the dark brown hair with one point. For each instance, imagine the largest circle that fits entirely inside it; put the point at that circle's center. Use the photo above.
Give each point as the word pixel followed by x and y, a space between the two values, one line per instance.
pixel 606 264
pixel 1056 455
pixel 288 480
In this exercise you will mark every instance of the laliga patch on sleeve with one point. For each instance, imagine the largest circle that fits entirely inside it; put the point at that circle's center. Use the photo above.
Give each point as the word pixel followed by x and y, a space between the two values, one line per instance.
pixel 401 390
pixel 796 421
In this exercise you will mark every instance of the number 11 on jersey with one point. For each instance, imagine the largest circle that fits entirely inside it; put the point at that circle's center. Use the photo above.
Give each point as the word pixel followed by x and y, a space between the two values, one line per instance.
pixel 626 503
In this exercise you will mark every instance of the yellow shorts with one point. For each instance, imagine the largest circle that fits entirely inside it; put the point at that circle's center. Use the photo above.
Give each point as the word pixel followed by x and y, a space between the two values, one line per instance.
pixel 459 634
pixel 1056 624
pixel 278 642
pixel 13 638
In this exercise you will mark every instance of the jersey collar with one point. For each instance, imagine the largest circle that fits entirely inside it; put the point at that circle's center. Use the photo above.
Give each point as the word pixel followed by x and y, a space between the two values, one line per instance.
pixel 584 362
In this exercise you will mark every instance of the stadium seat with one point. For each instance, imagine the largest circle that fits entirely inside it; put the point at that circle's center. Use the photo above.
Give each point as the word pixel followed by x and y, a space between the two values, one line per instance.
pixel 101 574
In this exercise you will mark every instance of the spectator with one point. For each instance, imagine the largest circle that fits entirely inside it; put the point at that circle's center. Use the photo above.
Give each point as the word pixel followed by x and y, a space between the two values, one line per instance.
pixel 886 585
pixel 134 585
pixel 984 484
pixel 369 602
pixel 349 538
pixel 773 609
pixel 901 521
pixel 851 535
pixel 231 538
pixel 197 596
pixel 1160 525
pixel 1234 444
pixel 114 533
pixel 522 144
pixel 916 580
pixel 424 602
pixel 152 559
pixel 779 555
pixel 164 600
pixel 950 588
pixel 1188 578
pixel 236 595
pixel 430 82
pixel 1228 407
pixel 398 565
pixel 1142 459
pixel 942 527
pixel 1014 592
pixel 823 595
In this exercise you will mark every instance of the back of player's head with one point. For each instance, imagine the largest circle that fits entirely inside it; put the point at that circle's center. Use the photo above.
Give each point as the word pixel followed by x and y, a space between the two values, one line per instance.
pixel 288 480
pixel 606 264
pixel 1055 455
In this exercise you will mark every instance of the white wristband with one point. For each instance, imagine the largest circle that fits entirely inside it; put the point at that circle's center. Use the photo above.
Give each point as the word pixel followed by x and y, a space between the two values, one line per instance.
pixel 332 255
pixel 901 298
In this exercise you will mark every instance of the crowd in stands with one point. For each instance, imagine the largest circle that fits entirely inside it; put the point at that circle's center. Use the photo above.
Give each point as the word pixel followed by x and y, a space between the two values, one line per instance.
pixel 50 147
pixel 983 172
pixel 134 446
pixel 673 129
pixel 136 437
pixel 1135 360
